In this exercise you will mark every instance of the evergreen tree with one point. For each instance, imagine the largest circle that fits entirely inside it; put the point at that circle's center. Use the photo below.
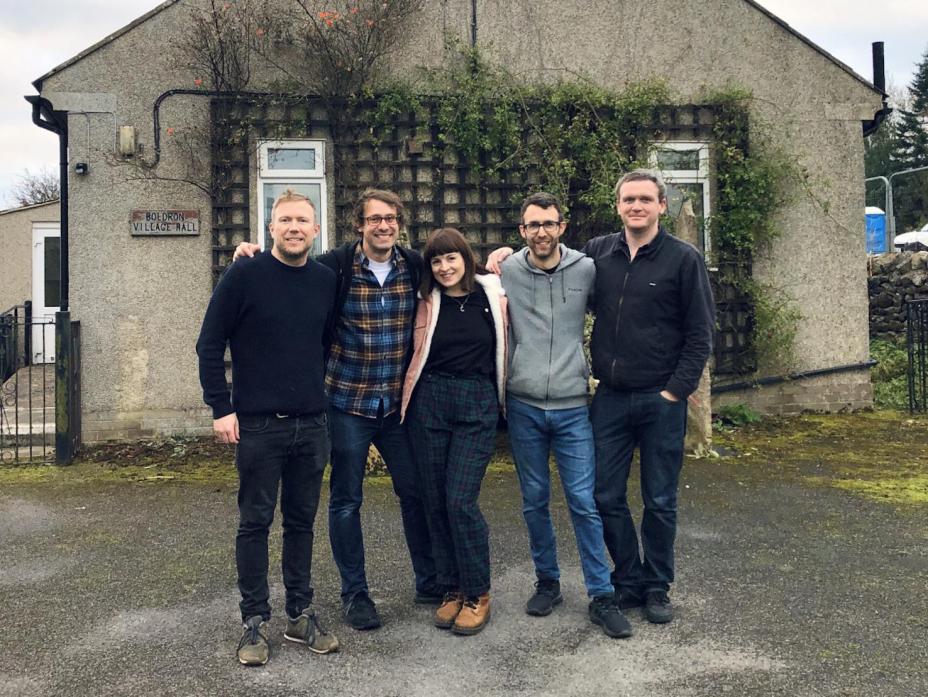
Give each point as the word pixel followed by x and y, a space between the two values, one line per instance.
pixel 910 150
pixel 879 149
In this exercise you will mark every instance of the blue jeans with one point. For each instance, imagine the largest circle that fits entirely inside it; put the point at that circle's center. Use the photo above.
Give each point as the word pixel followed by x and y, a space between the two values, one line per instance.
pixel 533 433
pixel 352 436
pixel 623 421
pixel 273 453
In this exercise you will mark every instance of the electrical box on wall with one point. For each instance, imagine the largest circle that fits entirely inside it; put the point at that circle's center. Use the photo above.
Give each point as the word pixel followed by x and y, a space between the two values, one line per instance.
pixel 127 142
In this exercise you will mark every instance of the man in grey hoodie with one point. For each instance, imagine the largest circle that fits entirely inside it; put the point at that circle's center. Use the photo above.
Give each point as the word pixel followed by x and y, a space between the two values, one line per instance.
pixel 549 286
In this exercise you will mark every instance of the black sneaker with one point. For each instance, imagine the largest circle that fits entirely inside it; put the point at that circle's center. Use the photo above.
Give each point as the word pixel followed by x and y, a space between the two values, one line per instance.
pixel 361 613
pixel 430 595
pixel 657 607
pixel 626 600
pixel 605 613
pixel 547 595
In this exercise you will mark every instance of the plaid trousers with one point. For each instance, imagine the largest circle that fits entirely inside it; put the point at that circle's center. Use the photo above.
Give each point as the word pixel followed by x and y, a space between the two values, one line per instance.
pixel 453 429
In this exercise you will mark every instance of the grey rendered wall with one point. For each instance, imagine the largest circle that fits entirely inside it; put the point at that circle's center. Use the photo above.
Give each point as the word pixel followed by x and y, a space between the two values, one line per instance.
pixel 140 300
pixel 16 251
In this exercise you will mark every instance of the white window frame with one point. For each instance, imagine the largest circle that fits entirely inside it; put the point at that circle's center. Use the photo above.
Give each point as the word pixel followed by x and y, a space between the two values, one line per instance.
pixel 316 175
pixel 690 176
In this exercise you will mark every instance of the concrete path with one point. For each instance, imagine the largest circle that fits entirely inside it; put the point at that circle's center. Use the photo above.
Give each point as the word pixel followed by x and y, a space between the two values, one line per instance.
pixel 122 583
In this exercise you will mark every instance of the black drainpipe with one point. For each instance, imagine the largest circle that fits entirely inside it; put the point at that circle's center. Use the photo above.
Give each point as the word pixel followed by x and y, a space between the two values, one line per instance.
pixel 879 81
pixel 720 389
pixel 67 388
pixel 473 24
pixel 57 123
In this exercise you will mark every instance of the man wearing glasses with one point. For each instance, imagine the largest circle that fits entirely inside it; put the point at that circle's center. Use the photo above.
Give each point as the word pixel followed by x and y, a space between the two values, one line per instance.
pixel 370 346
pixel 549 286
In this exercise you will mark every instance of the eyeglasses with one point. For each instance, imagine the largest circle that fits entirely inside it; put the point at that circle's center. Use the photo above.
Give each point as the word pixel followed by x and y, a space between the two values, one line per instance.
pixel 549 226
pixel 388 219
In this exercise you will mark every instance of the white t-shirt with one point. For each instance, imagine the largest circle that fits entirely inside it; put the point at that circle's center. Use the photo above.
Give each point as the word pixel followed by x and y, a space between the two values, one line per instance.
pixel 380 269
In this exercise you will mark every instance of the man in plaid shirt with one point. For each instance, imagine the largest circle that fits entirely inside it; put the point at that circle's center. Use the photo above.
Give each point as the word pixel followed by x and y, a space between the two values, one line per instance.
pixel 371 345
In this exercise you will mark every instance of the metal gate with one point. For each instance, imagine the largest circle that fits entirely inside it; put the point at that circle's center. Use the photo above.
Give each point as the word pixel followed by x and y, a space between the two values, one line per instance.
pixel 916 320
pixel 29 425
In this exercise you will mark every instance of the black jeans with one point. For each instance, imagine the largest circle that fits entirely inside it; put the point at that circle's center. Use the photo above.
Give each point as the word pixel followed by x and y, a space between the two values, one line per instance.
pixel 623 421
pixel 289 453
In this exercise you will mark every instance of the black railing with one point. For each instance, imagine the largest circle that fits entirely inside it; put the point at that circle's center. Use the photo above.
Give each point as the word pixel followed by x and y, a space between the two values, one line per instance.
pixel 916 321
pixel 27 390
pixel 15 344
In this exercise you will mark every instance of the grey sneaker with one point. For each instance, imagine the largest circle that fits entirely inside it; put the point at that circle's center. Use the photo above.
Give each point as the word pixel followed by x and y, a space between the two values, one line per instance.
pixel 253 649
pixel 306 629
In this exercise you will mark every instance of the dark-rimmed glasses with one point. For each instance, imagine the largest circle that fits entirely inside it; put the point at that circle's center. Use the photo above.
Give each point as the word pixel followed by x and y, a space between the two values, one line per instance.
pixel 548 226
pixel 388 219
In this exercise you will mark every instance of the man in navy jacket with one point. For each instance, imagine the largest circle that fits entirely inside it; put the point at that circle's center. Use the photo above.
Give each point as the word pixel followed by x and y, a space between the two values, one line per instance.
pixel 651 339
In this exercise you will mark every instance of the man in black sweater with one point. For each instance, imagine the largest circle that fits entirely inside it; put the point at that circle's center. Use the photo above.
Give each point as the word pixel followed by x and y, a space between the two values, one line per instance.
pixel 273 311
pixel 651 339
pixel 371 344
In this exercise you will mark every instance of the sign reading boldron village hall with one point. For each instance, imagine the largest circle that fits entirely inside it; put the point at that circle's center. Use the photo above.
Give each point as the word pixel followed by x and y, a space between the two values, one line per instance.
pixel 164 222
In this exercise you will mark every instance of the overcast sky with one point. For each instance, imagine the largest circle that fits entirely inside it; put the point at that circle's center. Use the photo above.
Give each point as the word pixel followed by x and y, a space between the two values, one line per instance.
pixel 37 35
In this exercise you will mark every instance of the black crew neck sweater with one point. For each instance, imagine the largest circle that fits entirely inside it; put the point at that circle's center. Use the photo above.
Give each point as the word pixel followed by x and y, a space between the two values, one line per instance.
pixel 273 317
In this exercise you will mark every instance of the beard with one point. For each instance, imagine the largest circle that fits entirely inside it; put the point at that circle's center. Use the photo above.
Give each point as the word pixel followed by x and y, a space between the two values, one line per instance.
pixel 292 256
pixel 552 248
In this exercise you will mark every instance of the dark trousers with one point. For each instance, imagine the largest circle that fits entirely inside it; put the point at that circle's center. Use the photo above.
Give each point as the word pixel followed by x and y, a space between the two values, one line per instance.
pixel 622 421
pixel 289 454
pixel 453 426
pixel 352 436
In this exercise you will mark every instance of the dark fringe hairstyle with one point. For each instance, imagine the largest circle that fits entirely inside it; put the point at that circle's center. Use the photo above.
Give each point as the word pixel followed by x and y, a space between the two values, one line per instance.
pixel 445 241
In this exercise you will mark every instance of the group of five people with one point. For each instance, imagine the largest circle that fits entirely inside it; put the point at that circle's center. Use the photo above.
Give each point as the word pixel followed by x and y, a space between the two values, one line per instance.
pixel 373 343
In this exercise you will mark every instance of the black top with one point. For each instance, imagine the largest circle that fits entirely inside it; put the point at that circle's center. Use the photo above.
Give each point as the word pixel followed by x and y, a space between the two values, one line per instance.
pixel 464 340
pixel 655 316
pixel 274 317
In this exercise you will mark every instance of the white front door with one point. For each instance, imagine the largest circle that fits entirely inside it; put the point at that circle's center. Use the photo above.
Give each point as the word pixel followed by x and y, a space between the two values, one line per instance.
pixel 46 289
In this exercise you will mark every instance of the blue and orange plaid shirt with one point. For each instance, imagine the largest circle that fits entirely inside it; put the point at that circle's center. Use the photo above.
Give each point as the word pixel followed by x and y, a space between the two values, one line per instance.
pixel 372 339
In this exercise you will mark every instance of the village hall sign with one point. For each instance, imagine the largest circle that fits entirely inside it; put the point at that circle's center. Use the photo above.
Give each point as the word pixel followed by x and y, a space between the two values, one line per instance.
pixel 158 223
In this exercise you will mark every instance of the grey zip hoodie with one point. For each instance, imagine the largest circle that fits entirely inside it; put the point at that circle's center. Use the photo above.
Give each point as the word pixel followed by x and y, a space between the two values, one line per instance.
pixel 547 367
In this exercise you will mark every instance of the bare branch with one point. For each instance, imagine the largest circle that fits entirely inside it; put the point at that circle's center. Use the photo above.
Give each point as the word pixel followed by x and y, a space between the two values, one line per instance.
pixel 38 187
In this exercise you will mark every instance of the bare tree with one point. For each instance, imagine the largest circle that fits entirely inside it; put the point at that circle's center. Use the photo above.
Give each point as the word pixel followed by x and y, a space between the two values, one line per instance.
pixel 36 187
pixel 335 48
pixel 220 40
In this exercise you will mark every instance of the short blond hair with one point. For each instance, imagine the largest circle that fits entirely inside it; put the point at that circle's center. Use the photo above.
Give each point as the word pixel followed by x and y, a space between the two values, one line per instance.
pixel 286 197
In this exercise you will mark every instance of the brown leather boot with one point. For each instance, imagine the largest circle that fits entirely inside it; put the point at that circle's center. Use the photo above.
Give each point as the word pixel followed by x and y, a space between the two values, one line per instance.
pixel 448 610
pixel 474 615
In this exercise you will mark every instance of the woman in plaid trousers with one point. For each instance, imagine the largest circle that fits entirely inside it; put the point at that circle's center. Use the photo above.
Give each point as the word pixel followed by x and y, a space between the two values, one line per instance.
pixel 454 389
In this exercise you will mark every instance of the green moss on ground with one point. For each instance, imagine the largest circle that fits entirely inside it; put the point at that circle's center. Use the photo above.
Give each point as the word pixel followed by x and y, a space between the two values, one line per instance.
pixel 881 455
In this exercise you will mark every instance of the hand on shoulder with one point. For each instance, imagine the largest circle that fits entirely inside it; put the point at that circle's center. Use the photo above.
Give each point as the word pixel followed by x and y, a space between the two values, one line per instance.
pixel 246 249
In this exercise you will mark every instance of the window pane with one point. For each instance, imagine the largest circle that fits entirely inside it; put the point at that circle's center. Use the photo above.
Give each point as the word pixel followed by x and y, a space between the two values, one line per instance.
pixel 52 272
pixel 272 191
pixel 680 192
pixel 677 159
pixel 291 158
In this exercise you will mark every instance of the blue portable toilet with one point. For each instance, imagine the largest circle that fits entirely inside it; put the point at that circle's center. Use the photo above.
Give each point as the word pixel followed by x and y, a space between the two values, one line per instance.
pixel 876 230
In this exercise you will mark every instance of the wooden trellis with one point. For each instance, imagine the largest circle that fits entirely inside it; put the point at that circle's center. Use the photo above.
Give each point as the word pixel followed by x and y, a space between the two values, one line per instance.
pixel 438 187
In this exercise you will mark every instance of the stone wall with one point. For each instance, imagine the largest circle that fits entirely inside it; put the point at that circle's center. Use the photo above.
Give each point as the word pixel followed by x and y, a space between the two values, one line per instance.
pixel 893 279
